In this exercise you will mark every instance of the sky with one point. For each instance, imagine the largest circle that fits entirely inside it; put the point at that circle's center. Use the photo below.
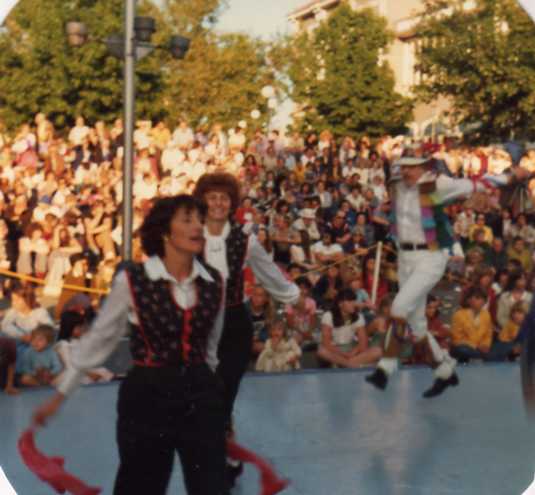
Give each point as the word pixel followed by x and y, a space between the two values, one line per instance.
pixel 264 18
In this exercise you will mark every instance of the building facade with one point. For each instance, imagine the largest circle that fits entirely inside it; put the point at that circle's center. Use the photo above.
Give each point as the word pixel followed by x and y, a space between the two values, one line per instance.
pixel 402 17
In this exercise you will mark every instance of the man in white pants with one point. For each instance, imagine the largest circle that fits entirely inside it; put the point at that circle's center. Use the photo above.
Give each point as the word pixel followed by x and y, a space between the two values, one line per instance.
pixel 422 231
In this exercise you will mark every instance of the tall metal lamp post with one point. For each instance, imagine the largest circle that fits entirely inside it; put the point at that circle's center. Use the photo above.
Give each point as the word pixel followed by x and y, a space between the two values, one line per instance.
pixel 133 45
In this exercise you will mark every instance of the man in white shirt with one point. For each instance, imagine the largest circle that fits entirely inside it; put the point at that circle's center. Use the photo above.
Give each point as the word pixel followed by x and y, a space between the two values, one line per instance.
pixel 307 221
pixel 325 251
pixel 349 168
pixel 422 230
pixel 142 135
pixel 355 199
pixel 183 136
pixel 79 132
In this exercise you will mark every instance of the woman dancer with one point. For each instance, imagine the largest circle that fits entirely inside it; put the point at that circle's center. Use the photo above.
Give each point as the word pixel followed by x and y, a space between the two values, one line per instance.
pixel 228 249
pixel 171 400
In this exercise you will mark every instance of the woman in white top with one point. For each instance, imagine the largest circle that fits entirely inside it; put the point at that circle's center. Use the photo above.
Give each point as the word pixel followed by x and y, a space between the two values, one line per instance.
pixel 24 316
pixel 64 245
pixel 33 252
pixel 171 400
pixel 344 341
pixel 229 248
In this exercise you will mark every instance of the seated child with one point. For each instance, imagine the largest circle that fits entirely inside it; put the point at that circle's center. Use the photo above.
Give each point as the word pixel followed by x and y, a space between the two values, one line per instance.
pixel 40 364
pixel 302 317
pixel 280 352
pixel 364 303
pixel 377 328
pixel 505 346
pixel 8 357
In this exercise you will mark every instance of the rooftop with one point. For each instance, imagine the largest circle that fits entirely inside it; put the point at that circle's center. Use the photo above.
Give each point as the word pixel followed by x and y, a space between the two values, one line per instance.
pixel 309 7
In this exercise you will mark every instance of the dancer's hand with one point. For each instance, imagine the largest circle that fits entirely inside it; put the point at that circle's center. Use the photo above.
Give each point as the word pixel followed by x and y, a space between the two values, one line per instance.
pixel 47 410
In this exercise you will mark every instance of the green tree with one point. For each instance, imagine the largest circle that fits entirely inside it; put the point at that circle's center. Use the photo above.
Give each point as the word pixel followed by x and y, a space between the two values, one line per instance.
pixel 42 73
pixel 338 79
pixel 483 60
pixel 221 78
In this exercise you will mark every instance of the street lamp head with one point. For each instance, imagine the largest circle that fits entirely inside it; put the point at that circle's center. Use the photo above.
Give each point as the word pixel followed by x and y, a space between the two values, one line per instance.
pixel 115 45
pixel 179 46
pixel 76 33
pixel 144 28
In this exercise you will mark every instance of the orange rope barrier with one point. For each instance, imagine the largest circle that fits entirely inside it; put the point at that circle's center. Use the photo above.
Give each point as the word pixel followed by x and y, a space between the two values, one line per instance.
pixel 40 281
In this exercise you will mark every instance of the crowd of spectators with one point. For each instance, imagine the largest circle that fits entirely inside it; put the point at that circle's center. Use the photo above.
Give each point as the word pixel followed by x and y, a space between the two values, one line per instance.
pixel 319 206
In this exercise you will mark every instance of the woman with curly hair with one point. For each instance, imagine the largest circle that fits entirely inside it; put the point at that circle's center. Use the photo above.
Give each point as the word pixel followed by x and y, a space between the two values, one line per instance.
pixel 171 400
pixel 229 249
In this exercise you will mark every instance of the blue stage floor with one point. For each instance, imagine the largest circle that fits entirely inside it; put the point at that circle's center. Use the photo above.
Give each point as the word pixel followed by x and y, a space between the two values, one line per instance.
pixel 329 432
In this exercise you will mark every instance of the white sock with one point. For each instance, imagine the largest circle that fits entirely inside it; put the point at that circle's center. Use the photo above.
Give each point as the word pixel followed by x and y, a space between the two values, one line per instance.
pixel 446 368
pixel 388 365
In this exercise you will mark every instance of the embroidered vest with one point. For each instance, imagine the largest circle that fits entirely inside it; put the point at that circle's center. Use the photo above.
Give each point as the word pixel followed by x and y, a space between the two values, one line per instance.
pixel 168 335
pixel 236 251
pixel 435 223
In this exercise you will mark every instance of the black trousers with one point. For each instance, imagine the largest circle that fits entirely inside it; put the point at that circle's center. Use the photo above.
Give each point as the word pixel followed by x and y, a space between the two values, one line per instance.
pixel 163 411
pixel 234 353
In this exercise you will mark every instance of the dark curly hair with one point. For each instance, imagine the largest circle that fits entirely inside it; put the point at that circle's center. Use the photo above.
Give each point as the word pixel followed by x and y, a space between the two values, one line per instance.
pixel 218 181
pixel 158 221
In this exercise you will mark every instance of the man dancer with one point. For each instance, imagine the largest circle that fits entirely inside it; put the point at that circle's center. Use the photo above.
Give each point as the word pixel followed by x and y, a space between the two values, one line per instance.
pixel 422 230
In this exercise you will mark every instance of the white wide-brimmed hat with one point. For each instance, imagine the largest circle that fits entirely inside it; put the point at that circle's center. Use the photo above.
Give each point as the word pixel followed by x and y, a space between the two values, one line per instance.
pixel 411 161
pixel 307 213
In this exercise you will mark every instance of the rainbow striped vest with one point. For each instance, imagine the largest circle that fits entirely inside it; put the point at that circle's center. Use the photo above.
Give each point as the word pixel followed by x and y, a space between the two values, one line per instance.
pixel 435 223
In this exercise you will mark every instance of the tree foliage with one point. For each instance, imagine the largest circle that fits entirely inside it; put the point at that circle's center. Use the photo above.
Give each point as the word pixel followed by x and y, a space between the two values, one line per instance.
pixel 336 74
pixel 483 60
pixel 220 79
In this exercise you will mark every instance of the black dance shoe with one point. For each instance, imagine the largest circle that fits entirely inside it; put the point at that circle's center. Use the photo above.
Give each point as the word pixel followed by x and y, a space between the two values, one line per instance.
pixel 440 385
pixel 378 379
pixel 233 473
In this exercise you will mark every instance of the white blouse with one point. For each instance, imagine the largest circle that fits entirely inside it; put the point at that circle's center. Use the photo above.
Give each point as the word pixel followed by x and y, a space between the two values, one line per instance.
pixel 345 334
pixel 111 325
pixel 265 270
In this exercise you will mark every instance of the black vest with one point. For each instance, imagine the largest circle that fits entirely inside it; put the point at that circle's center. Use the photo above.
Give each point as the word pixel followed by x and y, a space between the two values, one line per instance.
pixel 236 251
pixel 168 335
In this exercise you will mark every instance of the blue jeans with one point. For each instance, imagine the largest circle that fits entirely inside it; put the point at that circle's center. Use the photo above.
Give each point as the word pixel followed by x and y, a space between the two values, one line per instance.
pixel 463 353
pixel 500 351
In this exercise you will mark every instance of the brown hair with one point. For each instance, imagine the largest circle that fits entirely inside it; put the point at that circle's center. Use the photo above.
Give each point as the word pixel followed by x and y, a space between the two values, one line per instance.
pixel 32 227
pixel 157 223
pixel 46 331
pixel 517 307
pixel 218 181
pixel 27 292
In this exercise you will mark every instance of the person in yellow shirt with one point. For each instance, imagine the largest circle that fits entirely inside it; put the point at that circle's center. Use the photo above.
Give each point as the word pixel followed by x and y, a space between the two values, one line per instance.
pixel 471 328
pixel 519 251
pixel 480 225
pixel 506 345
